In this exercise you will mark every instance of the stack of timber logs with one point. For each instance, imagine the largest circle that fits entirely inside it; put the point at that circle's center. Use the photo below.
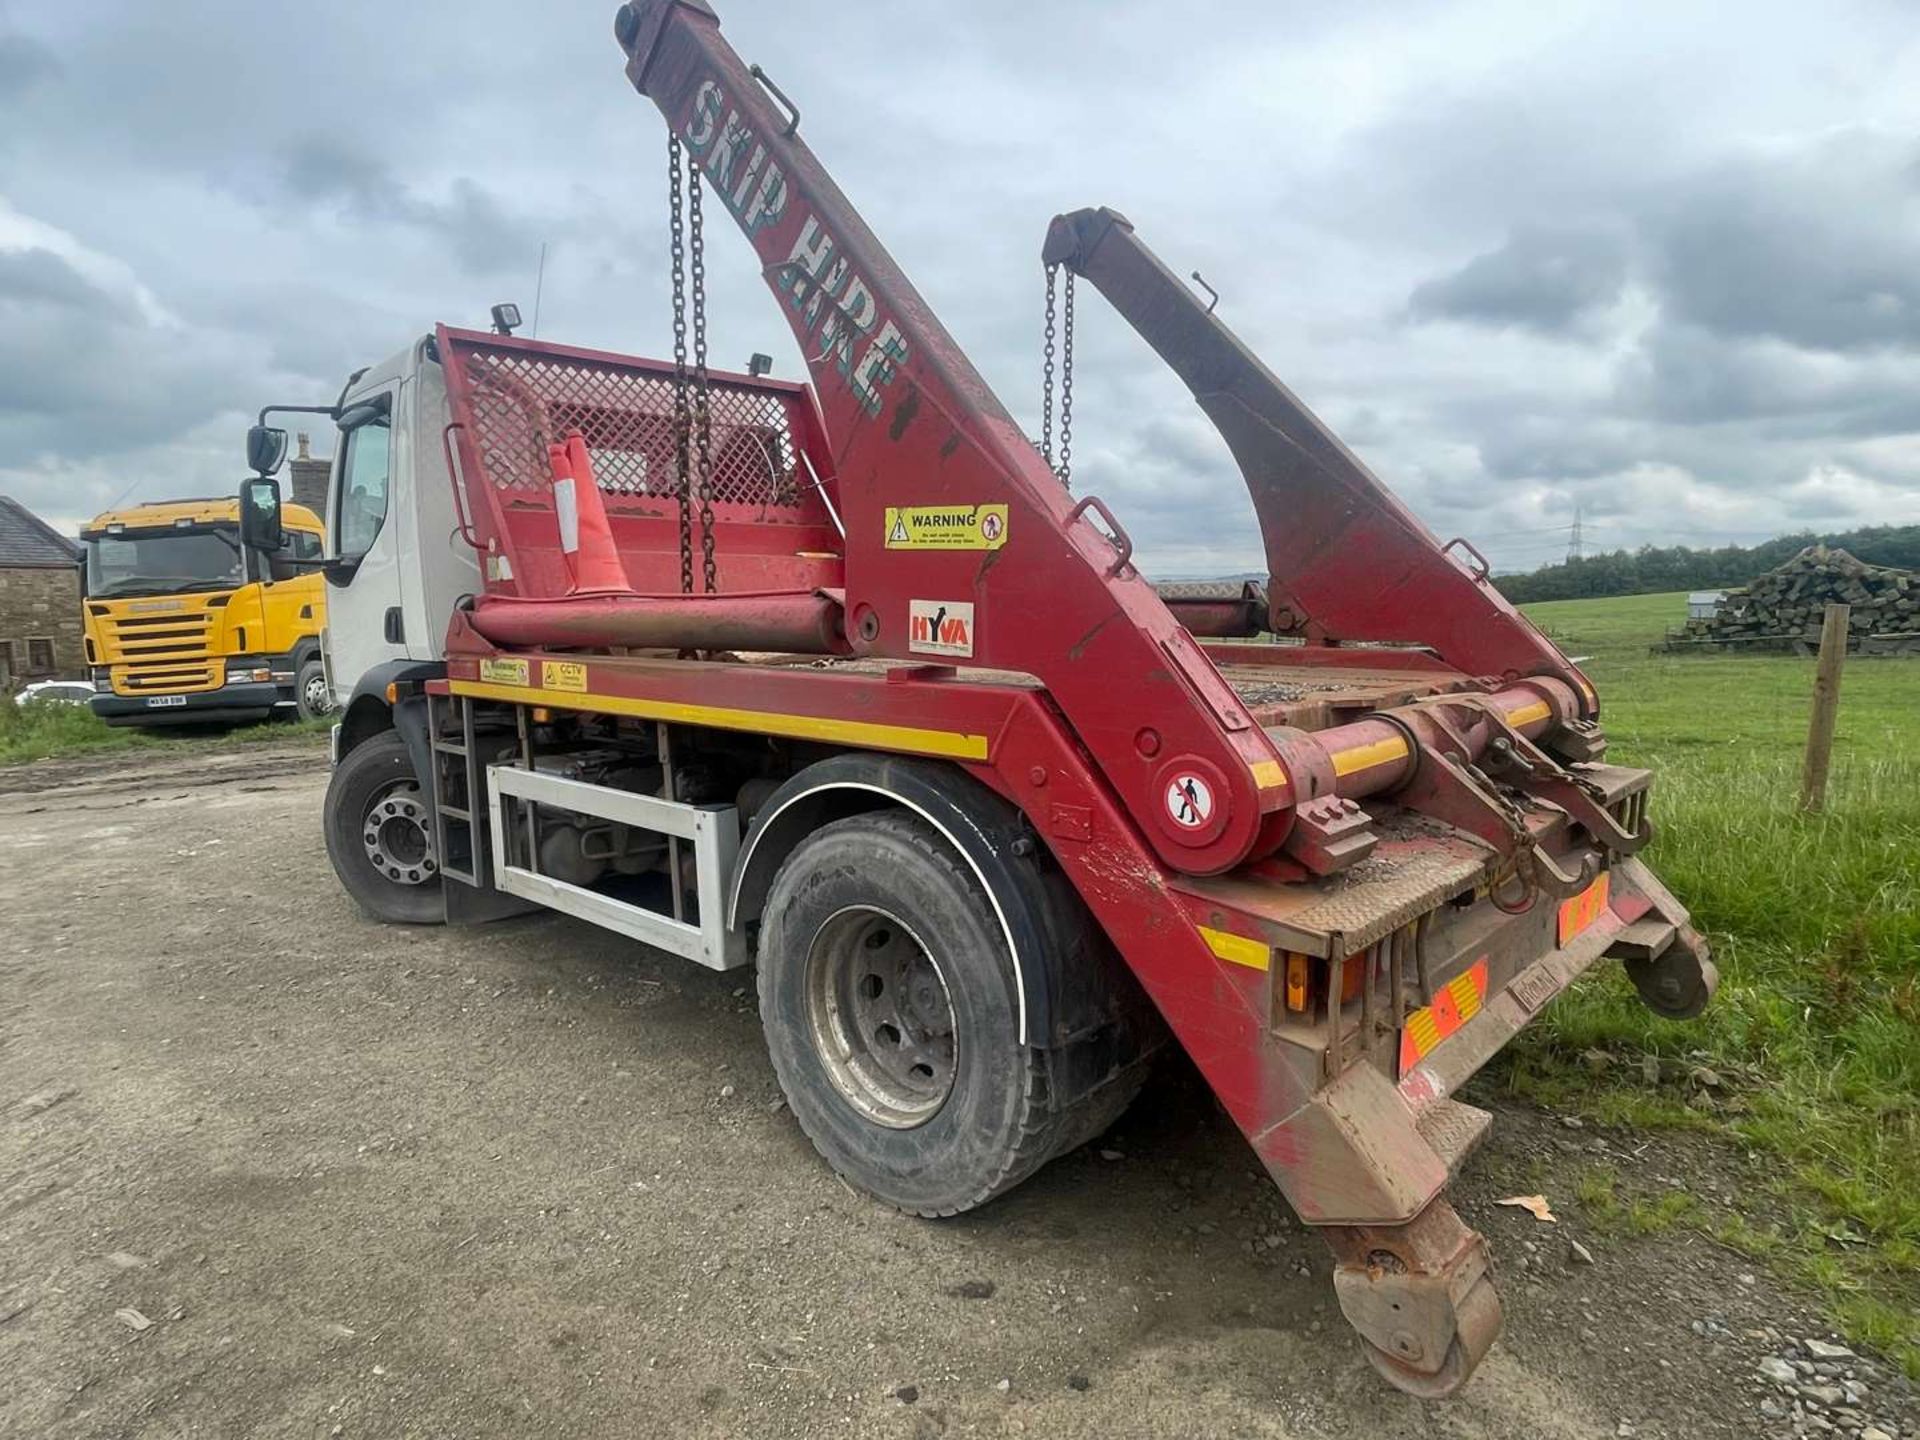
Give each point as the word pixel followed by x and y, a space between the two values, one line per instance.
pixel 1783 608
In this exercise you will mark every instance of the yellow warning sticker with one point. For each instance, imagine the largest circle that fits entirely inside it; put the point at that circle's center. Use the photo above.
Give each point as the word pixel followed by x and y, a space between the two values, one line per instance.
pixel 946 527
pixel 563 675
pixel 504 672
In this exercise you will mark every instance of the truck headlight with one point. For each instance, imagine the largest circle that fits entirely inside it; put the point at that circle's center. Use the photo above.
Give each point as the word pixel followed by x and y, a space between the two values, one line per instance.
pixel 247 673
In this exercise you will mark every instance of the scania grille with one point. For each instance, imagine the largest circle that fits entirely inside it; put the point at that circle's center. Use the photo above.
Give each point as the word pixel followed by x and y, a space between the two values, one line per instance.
pixel 159 638
pixel 151 676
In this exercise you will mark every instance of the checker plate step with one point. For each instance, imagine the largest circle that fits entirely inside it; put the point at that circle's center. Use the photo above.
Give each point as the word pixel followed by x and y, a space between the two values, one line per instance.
pixel 1454 1131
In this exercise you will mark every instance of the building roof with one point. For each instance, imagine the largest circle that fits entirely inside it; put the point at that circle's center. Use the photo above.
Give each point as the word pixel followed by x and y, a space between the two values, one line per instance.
pixel 28 543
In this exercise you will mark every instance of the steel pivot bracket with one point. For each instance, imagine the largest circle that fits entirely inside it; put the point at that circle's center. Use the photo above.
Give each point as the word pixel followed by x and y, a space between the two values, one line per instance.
pixel 1513 759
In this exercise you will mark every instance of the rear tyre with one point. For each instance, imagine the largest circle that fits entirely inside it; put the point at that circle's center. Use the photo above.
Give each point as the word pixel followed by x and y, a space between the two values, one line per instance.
pixel 380 834
pixel 310 692
pixel 892 1016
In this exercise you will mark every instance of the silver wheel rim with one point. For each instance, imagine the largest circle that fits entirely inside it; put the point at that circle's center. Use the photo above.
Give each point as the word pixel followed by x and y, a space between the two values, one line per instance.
pixel 318 700
pixel 881 1017
pixel 397 836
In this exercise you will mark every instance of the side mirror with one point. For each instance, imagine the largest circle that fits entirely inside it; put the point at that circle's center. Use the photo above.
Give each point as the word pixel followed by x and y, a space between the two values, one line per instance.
pixel 260 512
pixel 266 449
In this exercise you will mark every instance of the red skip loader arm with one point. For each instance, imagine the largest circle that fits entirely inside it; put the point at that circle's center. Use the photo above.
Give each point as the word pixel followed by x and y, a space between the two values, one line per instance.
pixel 1348 561
pixel 914 427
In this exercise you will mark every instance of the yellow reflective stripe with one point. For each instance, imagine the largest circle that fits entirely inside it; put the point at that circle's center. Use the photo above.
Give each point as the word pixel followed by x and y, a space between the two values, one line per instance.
pixel 915 741
pixel 1466 996
pixel 1237 948
pixel 1527 714
pixel 1269 775
pixel 1424 1029
pixel 1362 757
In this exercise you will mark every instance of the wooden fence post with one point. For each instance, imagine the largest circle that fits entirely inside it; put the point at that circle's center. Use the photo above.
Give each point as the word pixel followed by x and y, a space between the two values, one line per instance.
pixel 1826 708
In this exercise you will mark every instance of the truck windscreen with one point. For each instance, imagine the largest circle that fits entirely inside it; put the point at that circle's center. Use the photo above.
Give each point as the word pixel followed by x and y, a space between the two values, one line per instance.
pixel 158 562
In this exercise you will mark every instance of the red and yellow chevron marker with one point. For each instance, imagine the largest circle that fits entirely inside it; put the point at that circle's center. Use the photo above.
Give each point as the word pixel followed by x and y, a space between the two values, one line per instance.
pixel 1458 1001
pixel 1583 909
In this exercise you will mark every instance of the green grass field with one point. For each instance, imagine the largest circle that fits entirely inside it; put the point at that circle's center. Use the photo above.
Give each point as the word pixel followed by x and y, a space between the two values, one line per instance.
pixel 1815 922
pixel 39 730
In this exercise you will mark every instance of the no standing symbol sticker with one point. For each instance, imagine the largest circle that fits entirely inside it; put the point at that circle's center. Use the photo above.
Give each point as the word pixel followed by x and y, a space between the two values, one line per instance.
pixel 1189 800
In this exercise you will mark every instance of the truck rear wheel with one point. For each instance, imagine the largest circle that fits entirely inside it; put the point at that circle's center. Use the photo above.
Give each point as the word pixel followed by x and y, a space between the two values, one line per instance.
pixel 380 833
pixel 892 1015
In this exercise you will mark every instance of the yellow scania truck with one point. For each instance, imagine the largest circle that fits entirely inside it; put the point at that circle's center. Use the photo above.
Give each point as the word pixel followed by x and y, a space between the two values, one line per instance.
pixel 186 625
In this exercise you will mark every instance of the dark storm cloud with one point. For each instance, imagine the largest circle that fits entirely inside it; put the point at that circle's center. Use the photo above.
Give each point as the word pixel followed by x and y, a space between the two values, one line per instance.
pixel 472 223
pixel 1518 446
pixel 1685 374
pixel 24 63
pixel 40 277
pixel 1817 245
pixel 85 371
pixel 1543 277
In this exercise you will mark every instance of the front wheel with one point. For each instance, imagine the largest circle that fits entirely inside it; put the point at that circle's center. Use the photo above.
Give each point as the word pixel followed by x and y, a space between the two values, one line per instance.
pixel 380 833
pixel 892 1015
pixel 310 691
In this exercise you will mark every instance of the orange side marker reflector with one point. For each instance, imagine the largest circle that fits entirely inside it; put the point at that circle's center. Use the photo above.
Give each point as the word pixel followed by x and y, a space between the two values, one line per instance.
pixel 1296 982
pixel 1585 908
pixel 1458 1002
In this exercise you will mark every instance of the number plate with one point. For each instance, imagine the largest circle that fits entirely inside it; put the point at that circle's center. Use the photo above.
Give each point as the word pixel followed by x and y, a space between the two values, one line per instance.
pixel 1585 908
pixel 155 702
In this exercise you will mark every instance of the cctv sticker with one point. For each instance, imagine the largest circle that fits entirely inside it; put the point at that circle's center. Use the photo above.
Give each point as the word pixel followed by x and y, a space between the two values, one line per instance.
pixel 940 627
pixel 1189 800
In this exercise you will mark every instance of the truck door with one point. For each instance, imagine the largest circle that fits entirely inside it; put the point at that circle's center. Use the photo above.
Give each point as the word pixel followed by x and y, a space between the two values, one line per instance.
pixel 367 599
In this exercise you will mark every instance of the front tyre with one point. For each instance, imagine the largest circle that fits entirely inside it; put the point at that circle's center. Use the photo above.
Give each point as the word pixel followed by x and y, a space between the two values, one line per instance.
pixel 380 833
pixel 310 692
pixel 892 1015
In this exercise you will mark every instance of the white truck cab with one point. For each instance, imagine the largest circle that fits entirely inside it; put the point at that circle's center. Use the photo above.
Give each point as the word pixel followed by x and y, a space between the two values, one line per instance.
pixel 396 560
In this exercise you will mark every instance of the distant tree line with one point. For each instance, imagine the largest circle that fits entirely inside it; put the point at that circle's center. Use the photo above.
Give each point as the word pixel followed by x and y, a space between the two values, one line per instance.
pixel 1653 568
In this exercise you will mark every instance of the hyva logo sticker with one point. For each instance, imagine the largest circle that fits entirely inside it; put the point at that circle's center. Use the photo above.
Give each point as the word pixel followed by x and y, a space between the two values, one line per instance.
pixel 940 627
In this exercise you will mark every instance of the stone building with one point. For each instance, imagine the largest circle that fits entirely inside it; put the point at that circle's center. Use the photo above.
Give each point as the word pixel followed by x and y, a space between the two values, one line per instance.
pixel 40 629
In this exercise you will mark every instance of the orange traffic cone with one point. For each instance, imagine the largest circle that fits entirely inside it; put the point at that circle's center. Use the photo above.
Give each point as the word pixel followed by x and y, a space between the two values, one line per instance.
pixel 585 537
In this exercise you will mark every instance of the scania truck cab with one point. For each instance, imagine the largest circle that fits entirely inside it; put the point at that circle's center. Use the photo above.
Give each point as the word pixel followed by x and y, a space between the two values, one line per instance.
pixel 186 625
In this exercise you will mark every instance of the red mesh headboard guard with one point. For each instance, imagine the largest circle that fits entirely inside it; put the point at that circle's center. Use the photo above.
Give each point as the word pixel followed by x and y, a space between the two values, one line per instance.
pixel 511 398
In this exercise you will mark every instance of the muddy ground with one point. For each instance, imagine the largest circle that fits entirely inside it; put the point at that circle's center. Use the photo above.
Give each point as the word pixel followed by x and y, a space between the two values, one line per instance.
pixel 533 1180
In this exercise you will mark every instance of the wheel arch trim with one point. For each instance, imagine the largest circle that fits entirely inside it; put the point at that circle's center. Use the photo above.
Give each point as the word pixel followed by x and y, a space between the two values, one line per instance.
pixel 366 711
pixel 956 812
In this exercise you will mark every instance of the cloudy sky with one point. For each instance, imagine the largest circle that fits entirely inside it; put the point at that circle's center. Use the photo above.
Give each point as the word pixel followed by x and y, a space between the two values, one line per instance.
pixel 1525 258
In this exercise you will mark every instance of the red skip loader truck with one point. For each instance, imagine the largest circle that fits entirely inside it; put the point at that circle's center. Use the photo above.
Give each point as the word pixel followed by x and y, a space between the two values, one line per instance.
pixel 842 679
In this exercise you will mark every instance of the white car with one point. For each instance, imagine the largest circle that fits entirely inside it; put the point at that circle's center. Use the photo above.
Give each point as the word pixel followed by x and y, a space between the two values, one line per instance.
pixel 60 692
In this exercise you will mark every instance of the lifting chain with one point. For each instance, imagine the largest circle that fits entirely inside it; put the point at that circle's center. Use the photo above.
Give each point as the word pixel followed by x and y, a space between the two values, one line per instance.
pixel 1064 467
pixel 1046 375
pixel 682 415
pixel 702 391
pixel 692 403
